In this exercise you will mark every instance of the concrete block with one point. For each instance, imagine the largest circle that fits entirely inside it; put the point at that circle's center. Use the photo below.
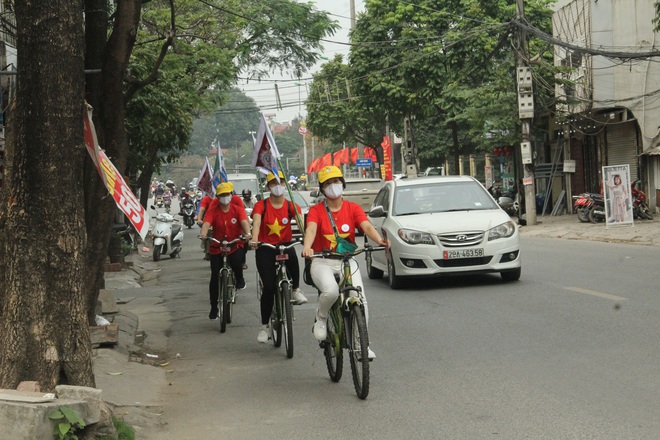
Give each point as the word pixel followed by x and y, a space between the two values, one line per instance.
pixel 90 395
pixel 107 298
pixel 22 419
pixel 104 334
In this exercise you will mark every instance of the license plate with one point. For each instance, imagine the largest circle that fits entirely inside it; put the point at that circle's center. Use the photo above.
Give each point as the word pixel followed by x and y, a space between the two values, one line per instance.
pixel 462 253
pixel 281 257
pixel 225 249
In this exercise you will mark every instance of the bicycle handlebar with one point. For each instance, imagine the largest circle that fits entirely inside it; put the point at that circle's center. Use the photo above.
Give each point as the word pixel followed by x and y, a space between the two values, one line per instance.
pixel 224 242
pixel 325 254
pixel 279 247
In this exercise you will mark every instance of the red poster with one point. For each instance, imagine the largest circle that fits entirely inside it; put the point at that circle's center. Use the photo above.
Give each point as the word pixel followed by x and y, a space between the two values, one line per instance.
pixel 387 158
pixel 114 182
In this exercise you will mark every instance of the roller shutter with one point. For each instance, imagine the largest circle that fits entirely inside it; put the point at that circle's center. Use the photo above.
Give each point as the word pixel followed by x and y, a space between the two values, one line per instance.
pixel 622 146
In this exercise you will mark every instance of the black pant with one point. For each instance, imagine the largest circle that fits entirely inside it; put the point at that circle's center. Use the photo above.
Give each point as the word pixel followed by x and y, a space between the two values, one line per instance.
pixel 236 263
pixel 267 268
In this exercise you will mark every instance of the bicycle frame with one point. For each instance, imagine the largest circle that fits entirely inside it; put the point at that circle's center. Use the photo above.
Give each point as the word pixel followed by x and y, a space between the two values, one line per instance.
pixel 282 316
pixel 226 272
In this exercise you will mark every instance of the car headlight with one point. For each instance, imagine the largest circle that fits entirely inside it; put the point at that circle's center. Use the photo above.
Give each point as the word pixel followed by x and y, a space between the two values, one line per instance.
pixel 502 231
pixel 415 237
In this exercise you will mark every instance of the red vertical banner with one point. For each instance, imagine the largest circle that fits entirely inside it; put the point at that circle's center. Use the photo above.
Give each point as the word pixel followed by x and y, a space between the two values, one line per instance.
pixel 387 158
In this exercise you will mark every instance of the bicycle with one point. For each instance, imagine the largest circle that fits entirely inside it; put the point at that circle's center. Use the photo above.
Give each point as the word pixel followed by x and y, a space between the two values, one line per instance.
pixel 281 319
pixel 347 326
pixel 227 284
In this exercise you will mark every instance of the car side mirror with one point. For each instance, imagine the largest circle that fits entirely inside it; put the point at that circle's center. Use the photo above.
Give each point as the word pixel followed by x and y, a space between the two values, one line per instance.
pixel 377 211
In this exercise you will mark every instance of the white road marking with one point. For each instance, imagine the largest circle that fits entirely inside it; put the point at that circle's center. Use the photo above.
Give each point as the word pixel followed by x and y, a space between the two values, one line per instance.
pixel 595 293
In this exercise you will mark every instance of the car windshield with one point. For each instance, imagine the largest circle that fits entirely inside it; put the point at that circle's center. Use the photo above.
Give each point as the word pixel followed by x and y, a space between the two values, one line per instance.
pixel 300 200
pixel 441 197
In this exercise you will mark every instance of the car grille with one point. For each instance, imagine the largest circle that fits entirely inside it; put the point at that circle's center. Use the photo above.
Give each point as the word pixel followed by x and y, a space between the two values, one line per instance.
pixel 461 239
pixel 462 262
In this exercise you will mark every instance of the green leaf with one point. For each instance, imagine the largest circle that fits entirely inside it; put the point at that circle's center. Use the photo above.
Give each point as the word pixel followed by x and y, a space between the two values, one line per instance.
pixel 64 428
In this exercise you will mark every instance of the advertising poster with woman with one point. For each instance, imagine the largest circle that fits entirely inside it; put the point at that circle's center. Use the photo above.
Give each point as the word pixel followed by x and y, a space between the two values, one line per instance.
pixel 618 200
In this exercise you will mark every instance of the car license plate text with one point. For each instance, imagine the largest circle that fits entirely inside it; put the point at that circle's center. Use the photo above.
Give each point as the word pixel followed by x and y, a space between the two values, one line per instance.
pixel 462 253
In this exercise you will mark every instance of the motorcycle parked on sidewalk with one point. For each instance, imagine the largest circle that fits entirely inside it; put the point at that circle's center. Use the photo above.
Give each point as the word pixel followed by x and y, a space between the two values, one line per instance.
pixel 640 208
pixel 590 207
pixel 188 212
pixel 167 236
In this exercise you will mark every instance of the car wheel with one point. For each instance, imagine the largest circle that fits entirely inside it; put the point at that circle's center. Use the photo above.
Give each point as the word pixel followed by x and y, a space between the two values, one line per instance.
pixel 372 272
pixel 511 275
pixel 393 280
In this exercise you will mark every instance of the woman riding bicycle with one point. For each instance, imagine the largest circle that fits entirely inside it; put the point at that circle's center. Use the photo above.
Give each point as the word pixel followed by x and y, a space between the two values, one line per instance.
pixel 271 223
pixel 228 221
pixel 320 235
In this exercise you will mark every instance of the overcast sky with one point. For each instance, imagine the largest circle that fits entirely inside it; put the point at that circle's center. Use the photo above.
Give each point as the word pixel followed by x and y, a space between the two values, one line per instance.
pixel 264 92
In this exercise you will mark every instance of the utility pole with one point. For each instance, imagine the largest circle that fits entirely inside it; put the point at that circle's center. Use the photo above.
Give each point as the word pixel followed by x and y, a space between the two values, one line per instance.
pixel 526 115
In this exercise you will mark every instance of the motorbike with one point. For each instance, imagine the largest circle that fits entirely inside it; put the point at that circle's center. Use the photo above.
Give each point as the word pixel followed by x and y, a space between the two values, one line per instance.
pixel 167 236
pixel 188 212
pixel 167 200
pixel 590 207
pixel 640 208
pixel 158 201
pixel 509 202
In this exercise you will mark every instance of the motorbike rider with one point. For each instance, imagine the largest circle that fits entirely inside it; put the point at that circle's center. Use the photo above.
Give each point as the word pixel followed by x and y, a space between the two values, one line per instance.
pixel 248 200
pixel 320 235
pixel 271 221
pixel 229 222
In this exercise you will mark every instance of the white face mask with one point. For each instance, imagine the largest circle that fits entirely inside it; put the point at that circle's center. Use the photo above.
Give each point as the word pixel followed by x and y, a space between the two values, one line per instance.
pixel 277 190
pixel 333 191
pixel 224 200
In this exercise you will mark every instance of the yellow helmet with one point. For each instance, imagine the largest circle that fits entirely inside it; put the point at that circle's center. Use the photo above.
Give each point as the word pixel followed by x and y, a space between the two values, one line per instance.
pixel 329 172
pixel 271 176
pixel 224 188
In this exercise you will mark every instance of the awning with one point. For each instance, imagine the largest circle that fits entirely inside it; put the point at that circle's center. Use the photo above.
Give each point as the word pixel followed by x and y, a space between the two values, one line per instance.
pixel 652 152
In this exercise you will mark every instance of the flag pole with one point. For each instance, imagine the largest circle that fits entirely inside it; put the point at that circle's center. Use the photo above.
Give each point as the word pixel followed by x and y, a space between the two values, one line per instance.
pixel 301 227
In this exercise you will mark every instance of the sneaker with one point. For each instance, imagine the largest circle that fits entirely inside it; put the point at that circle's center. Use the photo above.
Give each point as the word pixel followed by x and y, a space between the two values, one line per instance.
pixel 240 284
pixel 372 355
pixel 263 334
pixel 213 314
pixel 320 329
pixel 298 297
pixel 245 266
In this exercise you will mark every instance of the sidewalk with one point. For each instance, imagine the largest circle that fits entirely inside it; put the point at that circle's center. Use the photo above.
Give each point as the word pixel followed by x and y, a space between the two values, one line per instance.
pixel 132 373
pixel 643 232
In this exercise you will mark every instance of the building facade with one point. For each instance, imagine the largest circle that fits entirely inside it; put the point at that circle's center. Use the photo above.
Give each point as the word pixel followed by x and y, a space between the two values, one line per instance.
pixel 611 113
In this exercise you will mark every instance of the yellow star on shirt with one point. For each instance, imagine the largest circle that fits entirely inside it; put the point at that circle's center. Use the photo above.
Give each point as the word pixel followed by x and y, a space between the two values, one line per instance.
pixel 333 240
pixel 275 228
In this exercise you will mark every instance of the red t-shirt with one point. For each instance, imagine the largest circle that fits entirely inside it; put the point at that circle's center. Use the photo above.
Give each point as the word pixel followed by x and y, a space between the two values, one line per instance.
pixel 276 224
pixel 226 226
pixel 346 219
pixel 206 201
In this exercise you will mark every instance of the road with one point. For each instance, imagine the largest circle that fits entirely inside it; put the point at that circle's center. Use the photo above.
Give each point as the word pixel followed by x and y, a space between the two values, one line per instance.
pixel 569 351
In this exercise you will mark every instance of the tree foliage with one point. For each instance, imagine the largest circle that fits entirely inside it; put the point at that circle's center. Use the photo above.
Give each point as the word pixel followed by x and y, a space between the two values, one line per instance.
pixel 449 66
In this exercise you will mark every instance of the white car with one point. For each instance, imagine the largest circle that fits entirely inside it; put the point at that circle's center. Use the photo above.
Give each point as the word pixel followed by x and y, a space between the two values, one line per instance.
pixel 442 225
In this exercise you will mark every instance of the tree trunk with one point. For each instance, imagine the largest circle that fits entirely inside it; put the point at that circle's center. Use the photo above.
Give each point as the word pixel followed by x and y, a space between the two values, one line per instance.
pixel 457 147
pixel 43 323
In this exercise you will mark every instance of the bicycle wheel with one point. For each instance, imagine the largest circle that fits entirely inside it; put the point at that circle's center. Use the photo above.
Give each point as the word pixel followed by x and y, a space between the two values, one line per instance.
pixel 275 321
pixel 287 319
pixel 334 356
pixel 223 313
pixel 359 350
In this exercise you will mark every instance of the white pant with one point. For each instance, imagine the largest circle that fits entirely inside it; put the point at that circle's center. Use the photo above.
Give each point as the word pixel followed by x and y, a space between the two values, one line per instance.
pixel 323 274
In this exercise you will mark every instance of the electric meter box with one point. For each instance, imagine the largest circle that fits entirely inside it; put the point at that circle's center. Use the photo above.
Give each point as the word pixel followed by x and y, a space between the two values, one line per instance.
pixel 526 152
